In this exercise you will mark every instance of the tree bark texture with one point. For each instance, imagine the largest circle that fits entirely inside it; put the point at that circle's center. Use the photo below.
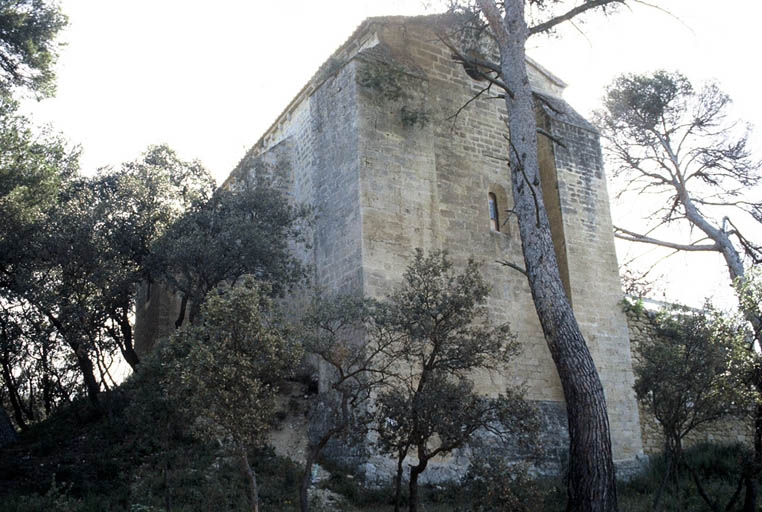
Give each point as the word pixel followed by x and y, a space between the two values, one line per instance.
pixel 83 359
pixel 127 346
pixel 13 394
pixel 312 456
pixel 304 503
pixel 413 485
pixel 592 485
pixel 88 373
pixel 252 479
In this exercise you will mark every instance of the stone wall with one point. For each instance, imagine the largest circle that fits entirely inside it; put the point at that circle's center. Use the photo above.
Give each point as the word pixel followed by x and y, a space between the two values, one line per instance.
pixel 379 146
pixel 642 327
pixel 427 186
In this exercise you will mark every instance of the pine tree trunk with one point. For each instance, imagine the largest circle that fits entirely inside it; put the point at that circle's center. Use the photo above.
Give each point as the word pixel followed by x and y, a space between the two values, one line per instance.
pixel 592 485
pixel 738 277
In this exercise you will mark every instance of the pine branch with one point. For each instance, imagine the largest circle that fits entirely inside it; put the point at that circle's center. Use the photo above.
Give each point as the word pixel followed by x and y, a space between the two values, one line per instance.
pixel 624 234
pixel 544 27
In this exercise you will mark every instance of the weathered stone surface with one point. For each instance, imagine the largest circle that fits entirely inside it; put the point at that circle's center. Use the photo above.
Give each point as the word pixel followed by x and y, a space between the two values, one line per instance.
pixel 376 150
pixel 383 186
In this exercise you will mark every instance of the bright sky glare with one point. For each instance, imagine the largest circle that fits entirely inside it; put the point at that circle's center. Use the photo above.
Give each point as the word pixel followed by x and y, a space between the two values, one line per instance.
pixel 209 77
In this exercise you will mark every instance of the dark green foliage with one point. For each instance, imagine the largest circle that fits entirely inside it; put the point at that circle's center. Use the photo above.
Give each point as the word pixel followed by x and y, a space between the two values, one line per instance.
pixel 217 379
pixel 279 480
pixel 75 271
pixel 692 373
pixel 116 463
pixel 226 368
pixel 717 466
pixel 639 104
pixel 247 228
pixel 496 486
pixel 32 167
pixel 441 333
pixel 28 50
pixel 636 306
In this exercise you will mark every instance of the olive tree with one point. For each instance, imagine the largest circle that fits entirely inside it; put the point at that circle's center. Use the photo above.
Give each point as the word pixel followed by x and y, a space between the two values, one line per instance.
pixel 691 373
pixel 223 371
pixel 441 334
pixel 340 334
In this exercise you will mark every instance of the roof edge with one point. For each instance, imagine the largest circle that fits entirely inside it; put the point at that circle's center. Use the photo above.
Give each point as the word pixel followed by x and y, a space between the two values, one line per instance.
pixel 324 71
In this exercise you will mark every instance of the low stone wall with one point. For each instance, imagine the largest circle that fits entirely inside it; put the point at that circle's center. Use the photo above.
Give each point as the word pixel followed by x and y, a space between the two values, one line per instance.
pixel 642 327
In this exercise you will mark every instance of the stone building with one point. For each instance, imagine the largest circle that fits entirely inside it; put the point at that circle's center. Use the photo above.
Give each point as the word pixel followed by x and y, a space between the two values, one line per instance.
pixel 374 146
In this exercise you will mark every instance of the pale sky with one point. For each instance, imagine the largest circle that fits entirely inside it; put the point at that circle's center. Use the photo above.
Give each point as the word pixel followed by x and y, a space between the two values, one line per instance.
pixel 209 77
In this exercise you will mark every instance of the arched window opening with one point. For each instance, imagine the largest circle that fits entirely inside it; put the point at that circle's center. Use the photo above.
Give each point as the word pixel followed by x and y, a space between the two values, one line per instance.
pixel 494 220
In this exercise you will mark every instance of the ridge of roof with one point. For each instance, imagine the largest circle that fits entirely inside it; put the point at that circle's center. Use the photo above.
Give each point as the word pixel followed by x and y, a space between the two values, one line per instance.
pixel 315 81
pixel 324 70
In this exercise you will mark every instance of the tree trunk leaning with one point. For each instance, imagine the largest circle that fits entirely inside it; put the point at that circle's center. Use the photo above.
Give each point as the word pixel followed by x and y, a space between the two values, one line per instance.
pixel 592 485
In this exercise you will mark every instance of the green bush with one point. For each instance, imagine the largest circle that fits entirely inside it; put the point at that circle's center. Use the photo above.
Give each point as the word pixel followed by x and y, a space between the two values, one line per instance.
pixel 495 486
pixel 717 466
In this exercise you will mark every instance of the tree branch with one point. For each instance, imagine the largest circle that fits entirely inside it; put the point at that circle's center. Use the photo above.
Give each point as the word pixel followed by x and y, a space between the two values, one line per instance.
pixel 473 98
pixel 624 234
pixel 544 27
pixel 551 137
pixel 507 263
pixel 476 62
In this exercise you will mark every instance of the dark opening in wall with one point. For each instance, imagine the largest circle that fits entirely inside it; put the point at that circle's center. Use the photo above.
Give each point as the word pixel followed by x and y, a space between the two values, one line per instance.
pixel 494 216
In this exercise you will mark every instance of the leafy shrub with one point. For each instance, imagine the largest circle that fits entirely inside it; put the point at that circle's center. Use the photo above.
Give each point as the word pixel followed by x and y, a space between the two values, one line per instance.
pixel 495 486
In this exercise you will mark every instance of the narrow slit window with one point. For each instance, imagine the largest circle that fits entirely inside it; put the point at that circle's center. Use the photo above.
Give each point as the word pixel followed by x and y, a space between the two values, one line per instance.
pixel 494 220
